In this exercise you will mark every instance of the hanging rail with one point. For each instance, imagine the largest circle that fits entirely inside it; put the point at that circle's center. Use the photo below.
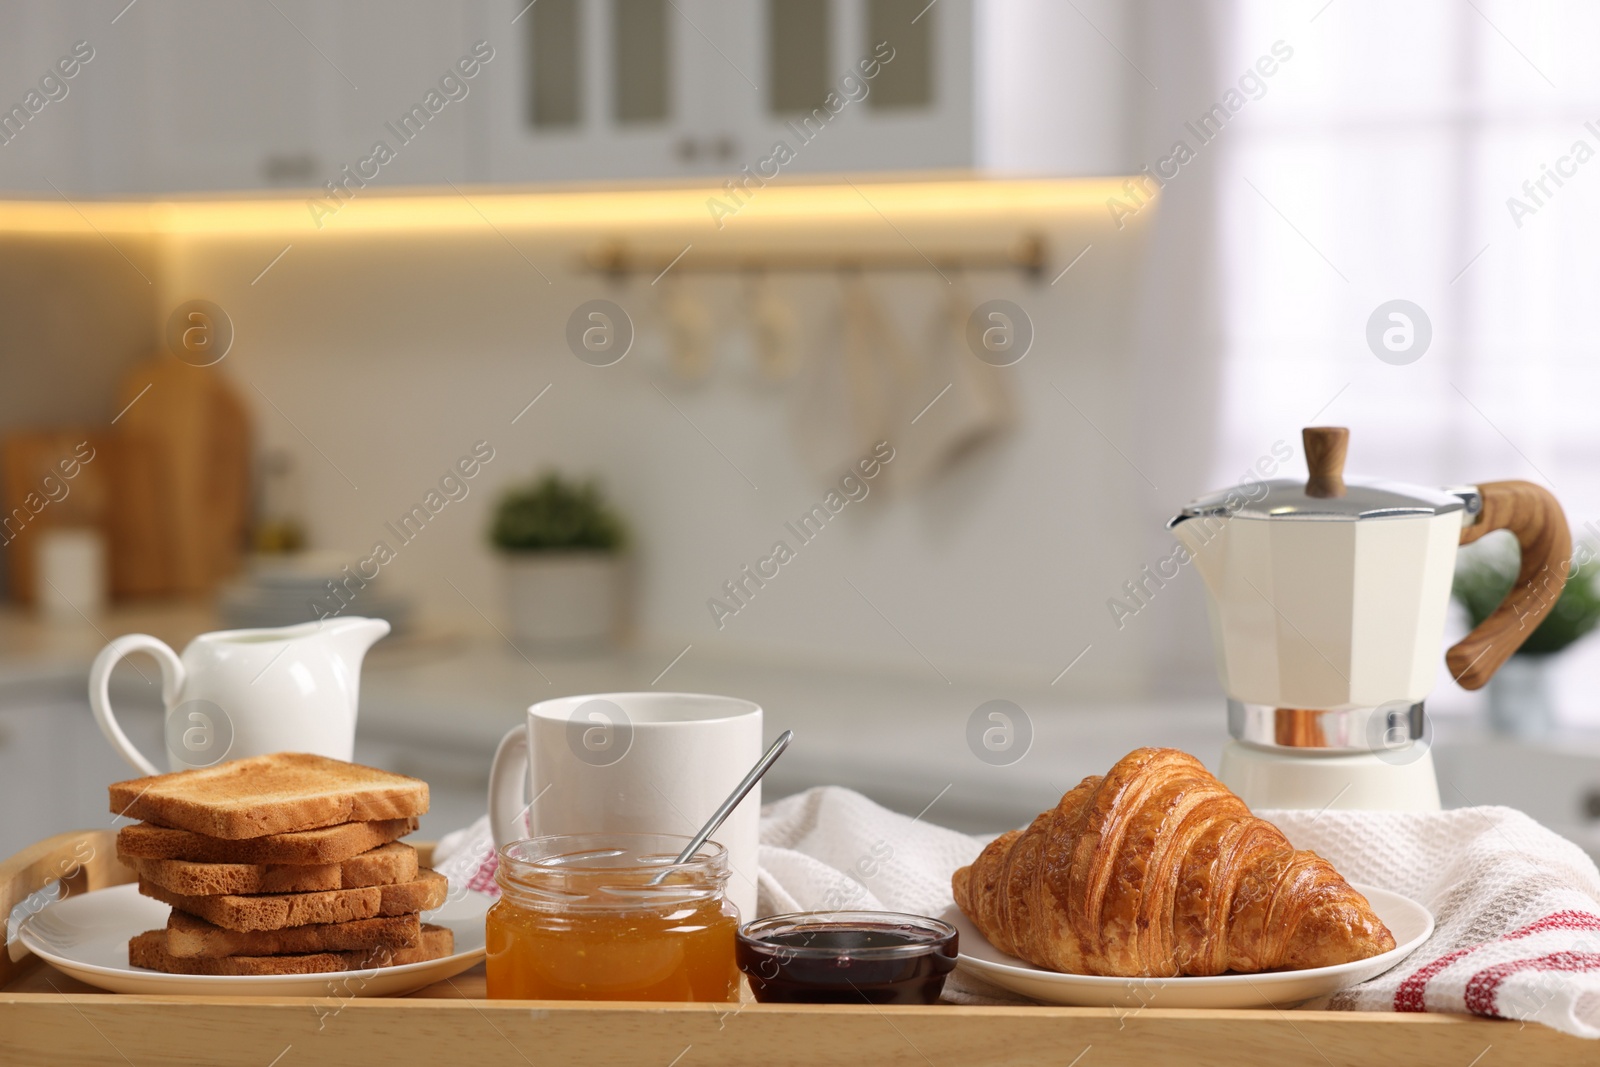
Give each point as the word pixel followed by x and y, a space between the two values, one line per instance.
pixel 1028 254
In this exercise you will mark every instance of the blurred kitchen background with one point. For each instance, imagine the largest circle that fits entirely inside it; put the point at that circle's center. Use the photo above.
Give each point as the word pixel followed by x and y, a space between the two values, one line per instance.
pixel 276 341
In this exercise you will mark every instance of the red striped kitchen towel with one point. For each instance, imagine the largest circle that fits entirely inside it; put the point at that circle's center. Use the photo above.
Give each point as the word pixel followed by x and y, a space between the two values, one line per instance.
pixel 1516 907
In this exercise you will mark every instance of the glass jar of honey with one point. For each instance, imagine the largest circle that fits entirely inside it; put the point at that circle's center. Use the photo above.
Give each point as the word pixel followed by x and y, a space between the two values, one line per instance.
pixel 612 916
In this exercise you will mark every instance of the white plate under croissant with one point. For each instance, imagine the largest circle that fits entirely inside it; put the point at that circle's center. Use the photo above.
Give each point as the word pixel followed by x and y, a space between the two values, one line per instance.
pixel 1410 922
pixel 1154 883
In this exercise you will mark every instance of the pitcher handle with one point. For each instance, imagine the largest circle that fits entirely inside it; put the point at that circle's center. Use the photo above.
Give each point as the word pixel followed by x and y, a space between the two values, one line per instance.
pixel 1534 515
pixel 508 788
pixel 100 690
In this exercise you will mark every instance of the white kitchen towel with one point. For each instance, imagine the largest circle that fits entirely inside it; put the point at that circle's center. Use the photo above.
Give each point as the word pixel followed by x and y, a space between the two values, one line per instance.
pixel 1516 910
pixel 1517 907
pixel 825 849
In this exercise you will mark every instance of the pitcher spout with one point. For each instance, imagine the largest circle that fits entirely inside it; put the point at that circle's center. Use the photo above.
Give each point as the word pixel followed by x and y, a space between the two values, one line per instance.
pixel 349 636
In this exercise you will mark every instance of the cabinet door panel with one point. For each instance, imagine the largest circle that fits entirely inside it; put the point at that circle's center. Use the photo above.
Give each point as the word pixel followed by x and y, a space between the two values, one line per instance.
pixel 237 94
pixel 91 763
pixel 55 765
pixel 642 65
pixel 31 752
pixel 917 116
pixel 799 51
pixel 46 118
pixel 414 98
pixel 647 88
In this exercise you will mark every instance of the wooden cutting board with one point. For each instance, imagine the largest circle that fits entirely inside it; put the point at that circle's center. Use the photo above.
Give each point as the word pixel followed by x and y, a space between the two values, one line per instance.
pixel 181 500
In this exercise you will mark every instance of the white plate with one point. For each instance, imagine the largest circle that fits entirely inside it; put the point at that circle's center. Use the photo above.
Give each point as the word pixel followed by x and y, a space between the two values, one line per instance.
pixel 1408 921
pixel 87 937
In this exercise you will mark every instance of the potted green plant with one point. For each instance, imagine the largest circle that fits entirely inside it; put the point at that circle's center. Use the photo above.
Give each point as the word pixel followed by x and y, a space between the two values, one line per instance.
pixel 564 551
pixel 1520 704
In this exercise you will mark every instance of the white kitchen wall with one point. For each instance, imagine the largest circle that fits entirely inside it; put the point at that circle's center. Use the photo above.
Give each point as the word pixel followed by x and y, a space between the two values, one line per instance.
pixel 379 361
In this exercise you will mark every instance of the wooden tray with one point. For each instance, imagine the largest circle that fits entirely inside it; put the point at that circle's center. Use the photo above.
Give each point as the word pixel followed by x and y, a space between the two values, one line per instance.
pixel 48 1018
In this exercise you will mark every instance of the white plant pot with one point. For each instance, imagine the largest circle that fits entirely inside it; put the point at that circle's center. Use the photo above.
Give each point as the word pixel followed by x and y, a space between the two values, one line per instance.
pixel 1520 703
pixel 564 600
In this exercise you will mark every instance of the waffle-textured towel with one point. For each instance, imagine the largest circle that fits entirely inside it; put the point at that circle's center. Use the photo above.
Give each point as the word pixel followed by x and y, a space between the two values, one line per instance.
pixel 1517 907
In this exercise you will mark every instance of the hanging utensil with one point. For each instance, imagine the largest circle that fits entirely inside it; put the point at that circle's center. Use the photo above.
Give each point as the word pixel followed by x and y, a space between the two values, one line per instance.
pixel 773 330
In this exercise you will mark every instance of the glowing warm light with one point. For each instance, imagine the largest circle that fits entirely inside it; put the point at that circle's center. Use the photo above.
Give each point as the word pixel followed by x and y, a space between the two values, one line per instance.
pixel 369 211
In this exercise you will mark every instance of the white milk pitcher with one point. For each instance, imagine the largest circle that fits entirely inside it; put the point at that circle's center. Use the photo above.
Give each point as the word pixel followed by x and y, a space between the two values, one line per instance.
pixel 239 693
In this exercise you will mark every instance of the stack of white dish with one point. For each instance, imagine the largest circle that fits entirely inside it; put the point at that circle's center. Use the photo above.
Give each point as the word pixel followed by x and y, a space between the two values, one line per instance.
pixel 303 587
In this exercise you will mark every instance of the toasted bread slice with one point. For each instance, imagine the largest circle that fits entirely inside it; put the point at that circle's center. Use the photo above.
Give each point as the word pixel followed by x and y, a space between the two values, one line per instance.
pixel 274 911
pixel 214 879
pixel 384 865
pixel 329 844
pixel 148 950
pixel 274 794
pixel 188 936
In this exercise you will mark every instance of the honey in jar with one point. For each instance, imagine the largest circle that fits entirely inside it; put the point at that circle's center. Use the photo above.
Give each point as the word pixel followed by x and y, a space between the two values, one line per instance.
pixel 612 917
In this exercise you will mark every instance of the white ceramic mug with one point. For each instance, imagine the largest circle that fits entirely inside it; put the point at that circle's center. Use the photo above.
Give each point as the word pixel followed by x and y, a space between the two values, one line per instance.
pixel 633 762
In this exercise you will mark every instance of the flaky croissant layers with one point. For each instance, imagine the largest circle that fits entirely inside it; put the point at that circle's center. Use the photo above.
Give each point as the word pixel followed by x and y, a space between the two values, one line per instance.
pixel 1158 870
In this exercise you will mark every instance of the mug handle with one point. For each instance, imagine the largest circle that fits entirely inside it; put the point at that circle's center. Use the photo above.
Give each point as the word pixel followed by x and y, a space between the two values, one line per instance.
pixel 100 690
pixel 1534 515
pixel 508 788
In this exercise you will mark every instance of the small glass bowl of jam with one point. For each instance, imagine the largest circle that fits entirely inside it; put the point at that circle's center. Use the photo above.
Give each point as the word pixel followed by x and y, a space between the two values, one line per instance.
pixel 847 957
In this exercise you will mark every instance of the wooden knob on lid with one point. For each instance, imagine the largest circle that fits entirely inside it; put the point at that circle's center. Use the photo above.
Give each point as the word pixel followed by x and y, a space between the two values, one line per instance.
pixel 1325 450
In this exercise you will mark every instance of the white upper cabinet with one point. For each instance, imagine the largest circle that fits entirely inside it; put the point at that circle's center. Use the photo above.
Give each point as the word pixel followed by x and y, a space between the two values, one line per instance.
pixel 194 95
pixel 297 93
pixel 672 88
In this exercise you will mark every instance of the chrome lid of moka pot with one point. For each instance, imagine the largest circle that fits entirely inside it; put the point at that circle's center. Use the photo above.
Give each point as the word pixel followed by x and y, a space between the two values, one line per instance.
pixel 1287 498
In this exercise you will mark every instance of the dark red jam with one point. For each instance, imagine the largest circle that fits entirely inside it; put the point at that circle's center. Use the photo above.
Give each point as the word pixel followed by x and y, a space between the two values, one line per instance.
pixel 860 957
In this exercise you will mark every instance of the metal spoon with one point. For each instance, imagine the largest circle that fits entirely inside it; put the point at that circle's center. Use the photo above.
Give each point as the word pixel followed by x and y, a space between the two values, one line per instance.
pixel 740 791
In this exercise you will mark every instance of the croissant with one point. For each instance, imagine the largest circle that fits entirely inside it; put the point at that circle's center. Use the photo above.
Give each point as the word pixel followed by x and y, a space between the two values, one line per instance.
pixel 1158 870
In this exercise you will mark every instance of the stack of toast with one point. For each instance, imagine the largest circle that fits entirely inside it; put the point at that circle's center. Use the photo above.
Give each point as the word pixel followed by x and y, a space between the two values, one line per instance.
pixel 280 864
